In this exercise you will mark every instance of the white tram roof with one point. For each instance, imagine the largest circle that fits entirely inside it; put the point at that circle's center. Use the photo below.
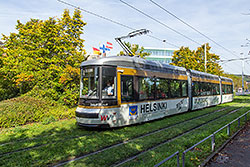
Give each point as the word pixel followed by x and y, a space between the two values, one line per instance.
pixel 211 76
pixel 204 75
pixel 226 79
pixel 134 62
pixel 137 62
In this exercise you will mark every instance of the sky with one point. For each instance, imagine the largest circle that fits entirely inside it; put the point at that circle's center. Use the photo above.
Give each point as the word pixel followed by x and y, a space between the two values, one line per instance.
pixel 226 22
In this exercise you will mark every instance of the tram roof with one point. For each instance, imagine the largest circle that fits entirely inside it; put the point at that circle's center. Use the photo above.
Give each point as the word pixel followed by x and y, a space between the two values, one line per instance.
pixel 133 62
pixel 211 76
pixel 137 62
pixel 226 79
pixel 203 74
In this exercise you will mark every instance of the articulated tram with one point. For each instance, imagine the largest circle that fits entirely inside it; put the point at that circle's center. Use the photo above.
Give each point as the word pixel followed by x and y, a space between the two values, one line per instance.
pixel 122 90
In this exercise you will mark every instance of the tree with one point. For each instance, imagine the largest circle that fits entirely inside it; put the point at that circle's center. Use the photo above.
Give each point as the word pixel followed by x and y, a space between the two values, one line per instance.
pixel 195 60
pixel 43 57
pixel 135 49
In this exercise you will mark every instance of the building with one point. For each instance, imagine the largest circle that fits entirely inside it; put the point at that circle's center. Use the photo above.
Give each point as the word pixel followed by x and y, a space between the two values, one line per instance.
pixel 160 54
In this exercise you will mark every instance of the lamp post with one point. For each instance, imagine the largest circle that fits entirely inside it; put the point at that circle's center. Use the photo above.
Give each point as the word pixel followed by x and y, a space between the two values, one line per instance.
pixel 243 64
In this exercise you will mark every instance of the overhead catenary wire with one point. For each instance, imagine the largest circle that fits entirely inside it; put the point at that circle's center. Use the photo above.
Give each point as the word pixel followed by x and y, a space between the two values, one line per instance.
pixel 159 22
pixel 113 21
pixel 195 29
pixel 118 23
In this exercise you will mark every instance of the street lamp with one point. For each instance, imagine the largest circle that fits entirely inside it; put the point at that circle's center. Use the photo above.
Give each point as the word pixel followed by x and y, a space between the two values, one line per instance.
pixel 243 63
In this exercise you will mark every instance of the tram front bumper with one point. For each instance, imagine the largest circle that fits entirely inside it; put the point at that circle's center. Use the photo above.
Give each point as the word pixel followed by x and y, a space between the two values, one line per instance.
pixel 89 118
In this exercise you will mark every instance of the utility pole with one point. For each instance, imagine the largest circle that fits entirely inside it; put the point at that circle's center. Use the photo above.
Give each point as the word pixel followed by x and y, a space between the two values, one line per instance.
pixel 243 64
pixel 205 50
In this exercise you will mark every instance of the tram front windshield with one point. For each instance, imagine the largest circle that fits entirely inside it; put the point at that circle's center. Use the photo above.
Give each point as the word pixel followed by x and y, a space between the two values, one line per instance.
pixel 89 83
pixel 94 79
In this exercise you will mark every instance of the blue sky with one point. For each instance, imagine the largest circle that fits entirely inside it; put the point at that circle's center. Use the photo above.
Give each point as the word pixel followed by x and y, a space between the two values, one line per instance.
pixel 221 20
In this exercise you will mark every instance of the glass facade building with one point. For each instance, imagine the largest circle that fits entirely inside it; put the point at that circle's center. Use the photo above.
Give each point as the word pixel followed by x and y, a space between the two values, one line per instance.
pixel 160 54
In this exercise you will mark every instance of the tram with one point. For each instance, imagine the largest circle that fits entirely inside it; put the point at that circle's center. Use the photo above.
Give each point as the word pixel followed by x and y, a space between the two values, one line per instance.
pixel 122 90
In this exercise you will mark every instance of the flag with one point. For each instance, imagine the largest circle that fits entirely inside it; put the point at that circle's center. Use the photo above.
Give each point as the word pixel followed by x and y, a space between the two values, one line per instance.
pixel 96 51
pixel 104 49
pixel 109 45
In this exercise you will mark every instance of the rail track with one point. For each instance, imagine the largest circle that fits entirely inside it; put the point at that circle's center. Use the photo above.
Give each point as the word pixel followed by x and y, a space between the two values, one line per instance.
pixel 75 137
pixel 148 134
pixel 108 147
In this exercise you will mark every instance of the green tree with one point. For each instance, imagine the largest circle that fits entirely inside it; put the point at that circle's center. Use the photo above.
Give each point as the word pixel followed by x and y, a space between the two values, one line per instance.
pixel 195 60
pixel 135 49
pixel 43 57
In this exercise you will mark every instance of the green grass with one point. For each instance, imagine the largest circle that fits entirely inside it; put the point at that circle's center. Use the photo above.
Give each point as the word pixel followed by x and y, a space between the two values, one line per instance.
pixel 66 148
pixel 24 110
pixel 135 147
pixel 197 155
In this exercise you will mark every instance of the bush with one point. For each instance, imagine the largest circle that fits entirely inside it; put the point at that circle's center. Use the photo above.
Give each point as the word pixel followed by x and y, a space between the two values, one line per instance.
pixel 23 110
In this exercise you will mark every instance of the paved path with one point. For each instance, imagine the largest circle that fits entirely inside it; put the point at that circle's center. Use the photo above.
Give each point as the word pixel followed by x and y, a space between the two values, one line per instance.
pixel 236 153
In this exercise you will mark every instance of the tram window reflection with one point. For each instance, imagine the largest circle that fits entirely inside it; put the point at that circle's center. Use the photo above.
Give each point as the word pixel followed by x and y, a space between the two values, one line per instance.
pixel 175 88
pixel 184 88
pixel 89 82
pixel 146 88
pixel 162 88
pixel 195 88
pixel 108 82
pixel 127 88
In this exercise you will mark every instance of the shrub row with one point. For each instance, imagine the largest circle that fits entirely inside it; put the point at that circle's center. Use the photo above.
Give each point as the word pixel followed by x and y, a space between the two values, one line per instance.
pixel 23 110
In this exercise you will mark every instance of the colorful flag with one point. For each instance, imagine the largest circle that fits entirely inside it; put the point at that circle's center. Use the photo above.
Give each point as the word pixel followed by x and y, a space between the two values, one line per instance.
pixel 109 45
pixel 104 49
pixel 96 51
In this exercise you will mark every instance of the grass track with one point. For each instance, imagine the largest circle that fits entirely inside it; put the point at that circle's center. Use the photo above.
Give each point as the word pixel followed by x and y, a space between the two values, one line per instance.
pixel 27 136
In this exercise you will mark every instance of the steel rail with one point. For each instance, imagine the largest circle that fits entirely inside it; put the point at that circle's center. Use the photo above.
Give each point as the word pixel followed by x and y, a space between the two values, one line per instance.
pixel 148 134
pixel 126 141
pixel 171 139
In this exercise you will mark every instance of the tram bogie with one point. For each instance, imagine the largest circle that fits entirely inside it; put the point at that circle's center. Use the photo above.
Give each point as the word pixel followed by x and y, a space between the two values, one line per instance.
pixel 119 91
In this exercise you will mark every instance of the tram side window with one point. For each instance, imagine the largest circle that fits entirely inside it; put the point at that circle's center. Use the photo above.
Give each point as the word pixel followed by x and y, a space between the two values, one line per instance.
pixel 146 88
pixel 162 88
pixel 208 88
pixel 230 89
pixel 127 91
pixel 227 89
pixel 223 89
pixel 204 87
pixel 184 88
pixel 175 90
pixel 195 89
pixel 215 89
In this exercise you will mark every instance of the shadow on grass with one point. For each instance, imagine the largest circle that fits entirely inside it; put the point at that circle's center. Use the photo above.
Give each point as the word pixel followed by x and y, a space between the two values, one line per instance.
pixel 46 145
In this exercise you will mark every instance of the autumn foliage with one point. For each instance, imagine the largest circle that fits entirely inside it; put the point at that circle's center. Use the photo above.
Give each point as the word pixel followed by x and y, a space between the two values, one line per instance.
pixel 195 59
pixel 42 59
